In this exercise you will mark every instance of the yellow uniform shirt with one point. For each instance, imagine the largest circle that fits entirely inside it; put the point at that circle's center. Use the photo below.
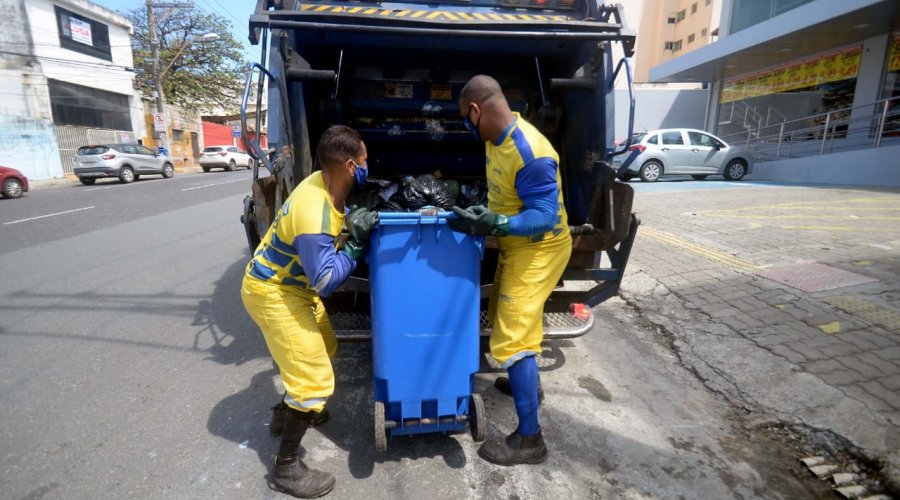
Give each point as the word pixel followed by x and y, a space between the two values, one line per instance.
pixel 521 144
pixel 308 210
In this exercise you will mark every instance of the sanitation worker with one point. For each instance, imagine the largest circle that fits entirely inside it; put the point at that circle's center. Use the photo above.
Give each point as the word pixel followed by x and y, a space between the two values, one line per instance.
pixel 525 212
pixel 298 261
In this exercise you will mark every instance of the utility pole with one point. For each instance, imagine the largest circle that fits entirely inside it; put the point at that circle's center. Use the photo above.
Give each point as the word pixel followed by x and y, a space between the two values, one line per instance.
pixel 157 77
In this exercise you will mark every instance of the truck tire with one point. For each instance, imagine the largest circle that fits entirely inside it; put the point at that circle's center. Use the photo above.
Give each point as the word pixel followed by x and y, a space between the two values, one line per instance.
pixel 380 430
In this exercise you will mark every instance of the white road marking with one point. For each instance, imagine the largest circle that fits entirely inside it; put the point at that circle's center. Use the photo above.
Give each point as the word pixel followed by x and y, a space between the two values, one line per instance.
pixel 215 184
pixel 48 215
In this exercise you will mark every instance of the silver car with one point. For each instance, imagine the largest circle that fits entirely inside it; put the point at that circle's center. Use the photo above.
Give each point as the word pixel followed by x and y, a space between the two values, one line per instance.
pixel 681 151
pixel 127 162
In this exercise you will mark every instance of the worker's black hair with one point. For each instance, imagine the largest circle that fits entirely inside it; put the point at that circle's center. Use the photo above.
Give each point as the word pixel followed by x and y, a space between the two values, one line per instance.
pixel 337 145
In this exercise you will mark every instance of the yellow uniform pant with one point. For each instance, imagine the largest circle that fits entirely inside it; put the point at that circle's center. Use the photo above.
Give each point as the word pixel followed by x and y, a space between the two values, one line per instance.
pixel 299 337
pixel 525 277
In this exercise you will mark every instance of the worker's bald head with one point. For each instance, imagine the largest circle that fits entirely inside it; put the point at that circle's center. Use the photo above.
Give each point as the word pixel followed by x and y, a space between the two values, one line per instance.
pixel 481 89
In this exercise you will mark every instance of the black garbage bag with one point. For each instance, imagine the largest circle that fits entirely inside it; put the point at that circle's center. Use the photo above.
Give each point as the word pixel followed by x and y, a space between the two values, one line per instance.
pixel 426 190
pixel 472 193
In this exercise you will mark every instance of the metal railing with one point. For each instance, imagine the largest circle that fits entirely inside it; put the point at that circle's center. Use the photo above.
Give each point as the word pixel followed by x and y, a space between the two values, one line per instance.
pixel 824 133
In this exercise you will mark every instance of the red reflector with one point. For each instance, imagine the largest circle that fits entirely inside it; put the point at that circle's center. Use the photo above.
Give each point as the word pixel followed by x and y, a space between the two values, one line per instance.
pixel 108 157
pixel 638 147
pixel 580 311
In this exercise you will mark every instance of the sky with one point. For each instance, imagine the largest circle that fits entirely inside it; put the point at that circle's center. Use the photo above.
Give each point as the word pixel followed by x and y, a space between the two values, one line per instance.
pixel 236 12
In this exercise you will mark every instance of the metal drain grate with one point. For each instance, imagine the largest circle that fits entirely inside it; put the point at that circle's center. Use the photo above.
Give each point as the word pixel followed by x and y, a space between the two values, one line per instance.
pixel 814 277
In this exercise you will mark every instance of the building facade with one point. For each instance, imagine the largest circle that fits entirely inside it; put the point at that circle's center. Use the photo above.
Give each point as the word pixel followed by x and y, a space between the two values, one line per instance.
pixel 794 78
pixel 75 77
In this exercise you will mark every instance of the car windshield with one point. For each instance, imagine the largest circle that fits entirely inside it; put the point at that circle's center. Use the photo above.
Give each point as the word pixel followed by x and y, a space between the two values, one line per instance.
pixel 92 150
pixel 211 150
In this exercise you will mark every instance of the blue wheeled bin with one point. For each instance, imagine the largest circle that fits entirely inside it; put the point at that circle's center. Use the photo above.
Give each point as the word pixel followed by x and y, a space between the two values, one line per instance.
pixel 424 284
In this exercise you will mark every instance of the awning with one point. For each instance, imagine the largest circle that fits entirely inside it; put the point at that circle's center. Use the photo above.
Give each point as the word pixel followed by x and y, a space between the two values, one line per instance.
pixel 812 28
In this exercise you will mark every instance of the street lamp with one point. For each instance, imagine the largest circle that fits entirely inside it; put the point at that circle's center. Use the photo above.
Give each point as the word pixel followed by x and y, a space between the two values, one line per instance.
pixel 160 97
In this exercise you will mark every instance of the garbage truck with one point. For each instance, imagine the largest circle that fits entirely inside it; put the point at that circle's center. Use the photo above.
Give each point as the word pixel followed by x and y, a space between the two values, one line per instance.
pixel 394 70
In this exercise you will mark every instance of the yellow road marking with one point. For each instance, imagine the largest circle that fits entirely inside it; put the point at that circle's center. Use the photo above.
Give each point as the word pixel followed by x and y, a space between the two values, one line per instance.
pixel 464 16
pixel 420 13
pixel 480 16
pixel 450 16
pixel 385 13
pixel 510 17
pixel 370 11
pixel 403 12
pixel 723 258
pixel 337 9
pixel 495 17
pixel 322 8
pixel 831 328
pixel 354 10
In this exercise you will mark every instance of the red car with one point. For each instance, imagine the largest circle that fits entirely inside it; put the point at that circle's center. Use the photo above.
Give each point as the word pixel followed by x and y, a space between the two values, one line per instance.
pixel 13 182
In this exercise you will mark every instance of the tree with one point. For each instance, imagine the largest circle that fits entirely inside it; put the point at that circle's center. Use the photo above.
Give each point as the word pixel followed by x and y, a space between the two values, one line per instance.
pixel 204 75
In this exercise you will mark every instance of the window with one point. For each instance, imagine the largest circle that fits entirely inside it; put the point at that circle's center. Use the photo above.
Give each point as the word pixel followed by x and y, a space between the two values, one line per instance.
pixel 234 150
pixel 141 150
pixel 694 8
pixel 669 45
pixel 76 105
pixel 672 20
pixel 676 46
pixel 703 32
pixel 83 34
pixel 653 140
pixel 691 38
pixel 673 137
pixel 707 2
pixel 679 16
pixel 701 139
pixel 177 135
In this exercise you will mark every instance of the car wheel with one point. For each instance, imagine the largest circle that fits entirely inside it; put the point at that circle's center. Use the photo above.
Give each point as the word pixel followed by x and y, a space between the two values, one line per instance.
pixel 126 175
pixel 205 169
pixel 250 164
pixel 168 171
pixel 230 166
pixel 651 171
pixel 699 177
pixel 735 170
pixel 12 188
pixel 87 181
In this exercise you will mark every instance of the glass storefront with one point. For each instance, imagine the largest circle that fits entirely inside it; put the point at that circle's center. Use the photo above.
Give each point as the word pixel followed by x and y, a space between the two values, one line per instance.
pixel 891 87
pixel 747 13
pixel 799 89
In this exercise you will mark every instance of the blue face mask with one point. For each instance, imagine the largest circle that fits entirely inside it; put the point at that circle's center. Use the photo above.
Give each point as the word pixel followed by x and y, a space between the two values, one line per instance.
pixel 473 127
pixel 361 174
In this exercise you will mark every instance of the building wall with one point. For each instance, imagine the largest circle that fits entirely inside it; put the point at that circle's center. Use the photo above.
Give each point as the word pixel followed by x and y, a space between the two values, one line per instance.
pixel 650 19
pixel 26 129
pixel 660 108
pixel 866 167
pixel 183 150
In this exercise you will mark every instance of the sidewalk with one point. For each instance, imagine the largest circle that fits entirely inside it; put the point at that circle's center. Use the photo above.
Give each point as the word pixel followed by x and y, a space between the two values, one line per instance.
pixel 70 179
pixel 788 307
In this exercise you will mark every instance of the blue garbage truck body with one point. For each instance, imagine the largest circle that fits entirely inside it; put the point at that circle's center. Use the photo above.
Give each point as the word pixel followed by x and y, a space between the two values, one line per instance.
pixel 394 70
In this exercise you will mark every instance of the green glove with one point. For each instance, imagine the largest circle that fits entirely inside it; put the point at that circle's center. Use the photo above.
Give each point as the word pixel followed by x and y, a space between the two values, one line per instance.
pixel 354 249
pixel 480 220
pixel 360 223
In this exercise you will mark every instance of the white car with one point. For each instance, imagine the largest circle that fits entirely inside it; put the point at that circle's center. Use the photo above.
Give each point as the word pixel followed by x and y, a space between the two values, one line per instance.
pixel 227 157
pixel 681 151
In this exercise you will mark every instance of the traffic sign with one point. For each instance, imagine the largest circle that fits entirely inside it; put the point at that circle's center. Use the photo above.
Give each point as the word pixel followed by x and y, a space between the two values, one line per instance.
pixel 235 130
pixel 159 122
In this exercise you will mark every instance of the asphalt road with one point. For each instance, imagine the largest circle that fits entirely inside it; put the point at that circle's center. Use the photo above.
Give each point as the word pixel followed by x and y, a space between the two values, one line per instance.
pixel 128 368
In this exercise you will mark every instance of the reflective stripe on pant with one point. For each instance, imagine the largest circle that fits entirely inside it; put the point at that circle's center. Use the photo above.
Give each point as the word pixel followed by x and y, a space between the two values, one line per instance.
pixel 299 337
pixel 525 277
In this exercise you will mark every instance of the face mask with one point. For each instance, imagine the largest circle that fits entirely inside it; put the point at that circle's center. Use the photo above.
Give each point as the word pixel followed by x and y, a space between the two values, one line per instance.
pixel 473 127
pixel 361 174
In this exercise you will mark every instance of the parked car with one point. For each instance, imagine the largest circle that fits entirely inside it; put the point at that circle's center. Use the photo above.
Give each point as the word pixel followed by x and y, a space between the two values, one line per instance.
pixel 227 157
pixel 13 182
pixel 682 151
pixel 128 162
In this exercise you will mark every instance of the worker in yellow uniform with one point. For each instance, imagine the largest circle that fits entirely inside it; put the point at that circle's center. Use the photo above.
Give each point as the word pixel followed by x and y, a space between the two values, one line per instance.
pixel 297 262
pixel 525 211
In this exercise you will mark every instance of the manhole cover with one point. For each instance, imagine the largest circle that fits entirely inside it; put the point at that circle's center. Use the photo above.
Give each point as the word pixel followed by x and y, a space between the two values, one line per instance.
pixel 814 277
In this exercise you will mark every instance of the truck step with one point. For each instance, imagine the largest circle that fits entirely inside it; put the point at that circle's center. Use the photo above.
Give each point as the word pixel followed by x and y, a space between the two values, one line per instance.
pixel 351 321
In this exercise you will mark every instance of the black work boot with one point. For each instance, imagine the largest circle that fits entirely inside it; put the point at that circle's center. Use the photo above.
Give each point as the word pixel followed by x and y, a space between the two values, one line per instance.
pixel 289 473
pixel 276 425
pixel 502 385
pixel 515 449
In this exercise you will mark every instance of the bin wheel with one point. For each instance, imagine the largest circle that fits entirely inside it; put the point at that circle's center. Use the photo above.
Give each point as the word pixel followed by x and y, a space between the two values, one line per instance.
pixel 477 421
pixel 380 431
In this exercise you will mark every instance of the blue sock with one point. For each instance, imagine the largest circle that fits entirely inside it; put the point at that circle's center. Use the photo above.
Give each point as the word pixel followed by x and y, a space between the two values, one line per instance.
pixel 523 382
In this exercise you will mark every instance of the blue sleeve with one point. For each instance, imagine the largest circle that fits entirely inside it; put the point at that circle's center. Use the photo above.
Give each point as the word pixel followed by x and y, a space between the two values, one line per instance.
pixel 539 191
pixel 326 268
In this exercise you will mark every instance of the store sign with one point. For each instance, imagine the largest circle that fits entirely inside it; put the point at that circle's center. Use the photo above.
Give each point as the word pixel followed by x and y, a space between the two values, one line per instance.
pixel 894 60
pixel 81 31
pixel 831 67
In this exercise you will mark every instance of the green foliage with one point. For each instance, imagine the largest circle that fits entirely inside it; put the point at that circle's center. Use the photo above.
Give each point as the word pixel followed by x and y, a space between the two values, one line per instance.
pixel 204 75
